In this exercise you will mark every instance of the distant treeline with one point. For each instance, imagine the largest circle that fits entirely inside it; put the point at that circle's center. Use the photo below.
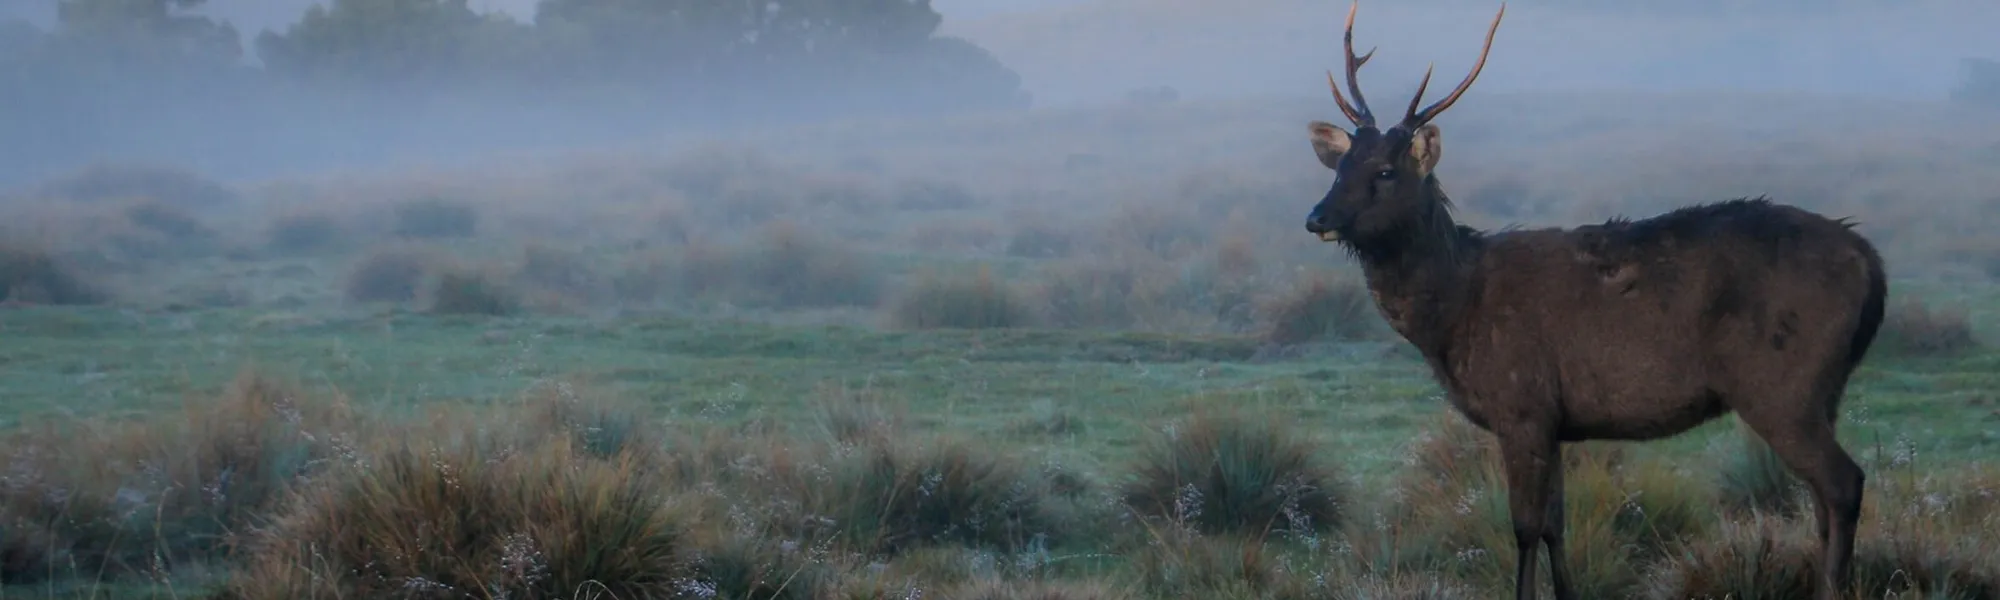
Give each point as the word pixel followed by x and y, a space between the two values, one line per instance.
pixel 147 77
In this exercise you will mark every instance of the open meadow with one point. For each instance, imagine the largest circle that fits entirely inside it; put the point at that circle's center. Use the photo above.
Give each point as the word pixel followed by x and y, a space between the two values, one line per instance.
pixel 1051 355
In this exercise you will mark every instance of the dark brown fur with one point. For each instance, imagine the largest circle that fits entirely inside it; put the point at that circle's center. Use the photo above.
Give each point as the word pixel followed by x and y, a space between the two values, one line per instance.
pixel 1628 330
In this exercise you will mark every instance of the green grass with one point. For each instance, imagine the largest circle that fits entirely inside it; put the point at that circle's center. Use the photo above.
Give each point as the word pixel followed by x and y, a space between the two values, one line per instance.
pixel 1363 399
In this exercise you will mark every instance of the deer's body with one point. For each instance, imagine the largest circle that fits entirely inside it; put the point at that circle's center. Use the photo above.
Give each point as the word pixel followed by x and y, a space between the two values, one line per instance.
pixel 1626 330
pixel 1637 330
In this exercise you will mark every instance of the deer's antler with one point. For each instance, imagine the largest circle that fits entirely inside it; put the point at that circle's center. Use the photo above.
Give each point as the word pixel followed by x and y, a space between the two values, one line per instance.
pixel 1361 117
pixel 1414 118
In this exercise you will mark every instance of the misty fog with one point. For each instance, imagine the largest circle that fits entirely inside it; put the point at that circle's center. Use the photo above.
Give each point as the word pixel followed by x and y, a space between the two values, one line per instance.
pixel 1065 52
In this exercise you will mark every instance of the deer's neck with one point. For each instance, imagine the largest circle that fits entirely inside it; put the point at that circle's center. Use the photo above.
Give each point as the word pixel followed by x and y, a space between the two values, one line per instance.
pixel 1424 286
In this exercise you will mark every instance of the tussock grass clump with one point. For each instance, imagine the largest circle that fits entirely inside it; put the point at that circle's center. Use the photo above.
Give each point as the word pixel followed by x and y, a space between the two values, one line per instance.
pixel 304 233
pixel 435 218
pixel 560 270
pixel 783 267
pixel 469 291
pixel 1230 473
pixel 976 302
pixel 1448 513
pixel 1770 557
pixel 990 589
pixel 890 496
pixel 1107 294
pixel 1175 562
pixel 855 416
pixel 29 274
pixel 597 424
pixel 156 498
pixel 1751 478
pixel 470 516
pixel 388 274
pixel 1912 328
pixel 760 567
pixel 1319 307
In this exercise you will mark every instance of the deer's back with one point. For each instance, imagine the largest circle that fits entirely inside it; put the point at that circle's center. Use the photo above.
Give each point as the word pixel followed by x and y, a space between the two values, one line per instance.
pixel 1657 323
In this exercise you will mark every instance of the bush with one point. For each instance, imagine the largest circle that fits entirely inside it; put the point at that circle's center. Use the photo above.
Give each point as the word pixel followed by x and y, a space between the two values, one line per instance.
pixel 1319 307
pixel 557 269
pixel 435 218
pixel 462 291
pixel 1914 329
pixel 976 302
pixel 469 516
pixel 1104 294
pixel 303 233
pixel 390 274
pixel 140 499
pixel 31 275
pixel 1236 474
pixel 787 268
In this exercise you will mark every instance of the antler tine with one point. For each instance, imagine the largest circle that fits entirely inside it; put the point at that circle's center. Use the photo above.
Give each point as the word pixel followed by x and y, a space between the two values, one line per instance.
pixel 1411 112
pixel 1415 118
pixel 1345 108
pixel 1366 117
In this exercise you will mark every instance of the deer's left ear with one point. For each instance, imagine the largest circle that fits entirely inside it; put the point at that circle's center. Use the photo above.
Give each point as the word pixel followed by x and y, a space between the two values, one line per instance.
pixel 1426 147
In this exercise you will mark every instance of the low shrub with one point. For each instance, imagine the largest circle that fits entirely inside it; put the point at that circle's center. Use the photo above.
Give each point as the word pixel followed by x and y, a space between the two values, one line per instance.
pixel 388 274
pixel 976 302
pixel 1912 328
pixel 1319 307
pixel 31 275
pixel 468 291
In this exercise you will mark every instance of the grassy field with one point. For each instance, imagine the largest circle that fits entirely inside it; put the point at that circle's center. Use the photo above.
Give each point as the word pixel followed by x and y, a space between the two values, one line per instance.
pixel 1060 355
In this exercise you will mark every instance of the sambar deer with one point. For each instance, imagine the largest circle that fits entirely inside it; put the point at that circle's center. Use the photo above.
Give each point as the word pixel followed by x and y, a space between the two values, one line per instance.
pixel 1628 330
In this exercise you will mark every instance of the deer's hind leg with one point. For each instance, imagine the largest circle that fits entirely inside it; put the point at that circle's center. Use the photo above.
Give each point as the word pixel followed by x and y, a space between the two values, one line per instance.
pixel 1800 431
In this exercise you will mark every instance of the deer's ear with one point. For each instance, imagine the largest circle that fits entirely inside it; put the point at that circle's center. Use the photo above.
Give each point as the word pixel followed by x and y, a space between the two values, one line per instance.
pixel 1426 146
pixel 1329 142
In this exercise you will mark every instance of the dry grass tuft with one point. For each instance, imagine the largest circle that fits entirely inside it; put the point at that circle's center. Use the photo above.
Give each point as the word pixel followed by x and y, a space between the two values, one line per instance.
pixel 469 516
pixel 892 495
pixel 1229 473
pixel 1319 307
pixel 156 498
pixel 29 275
pixel 976 302
pixel 1912 328
pixel 388 274
pixel 472 291
pixel 783 267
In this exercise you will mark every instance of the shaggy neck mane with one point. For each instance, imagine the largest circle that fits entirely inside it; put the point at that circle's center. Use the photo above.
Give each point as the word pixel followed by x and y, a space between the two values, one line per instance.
pixel 1423 276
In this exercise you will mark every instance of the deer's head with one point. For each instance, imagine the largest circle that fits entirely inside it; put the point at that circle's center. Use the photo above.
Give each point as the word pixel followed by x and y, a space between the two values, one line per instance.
pixel 1382 177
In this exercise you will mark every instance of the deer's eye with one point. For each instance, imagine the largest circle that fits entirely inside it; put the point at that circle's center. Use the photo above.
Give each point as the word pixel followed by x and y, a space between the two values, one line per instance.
pixel 1385 174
